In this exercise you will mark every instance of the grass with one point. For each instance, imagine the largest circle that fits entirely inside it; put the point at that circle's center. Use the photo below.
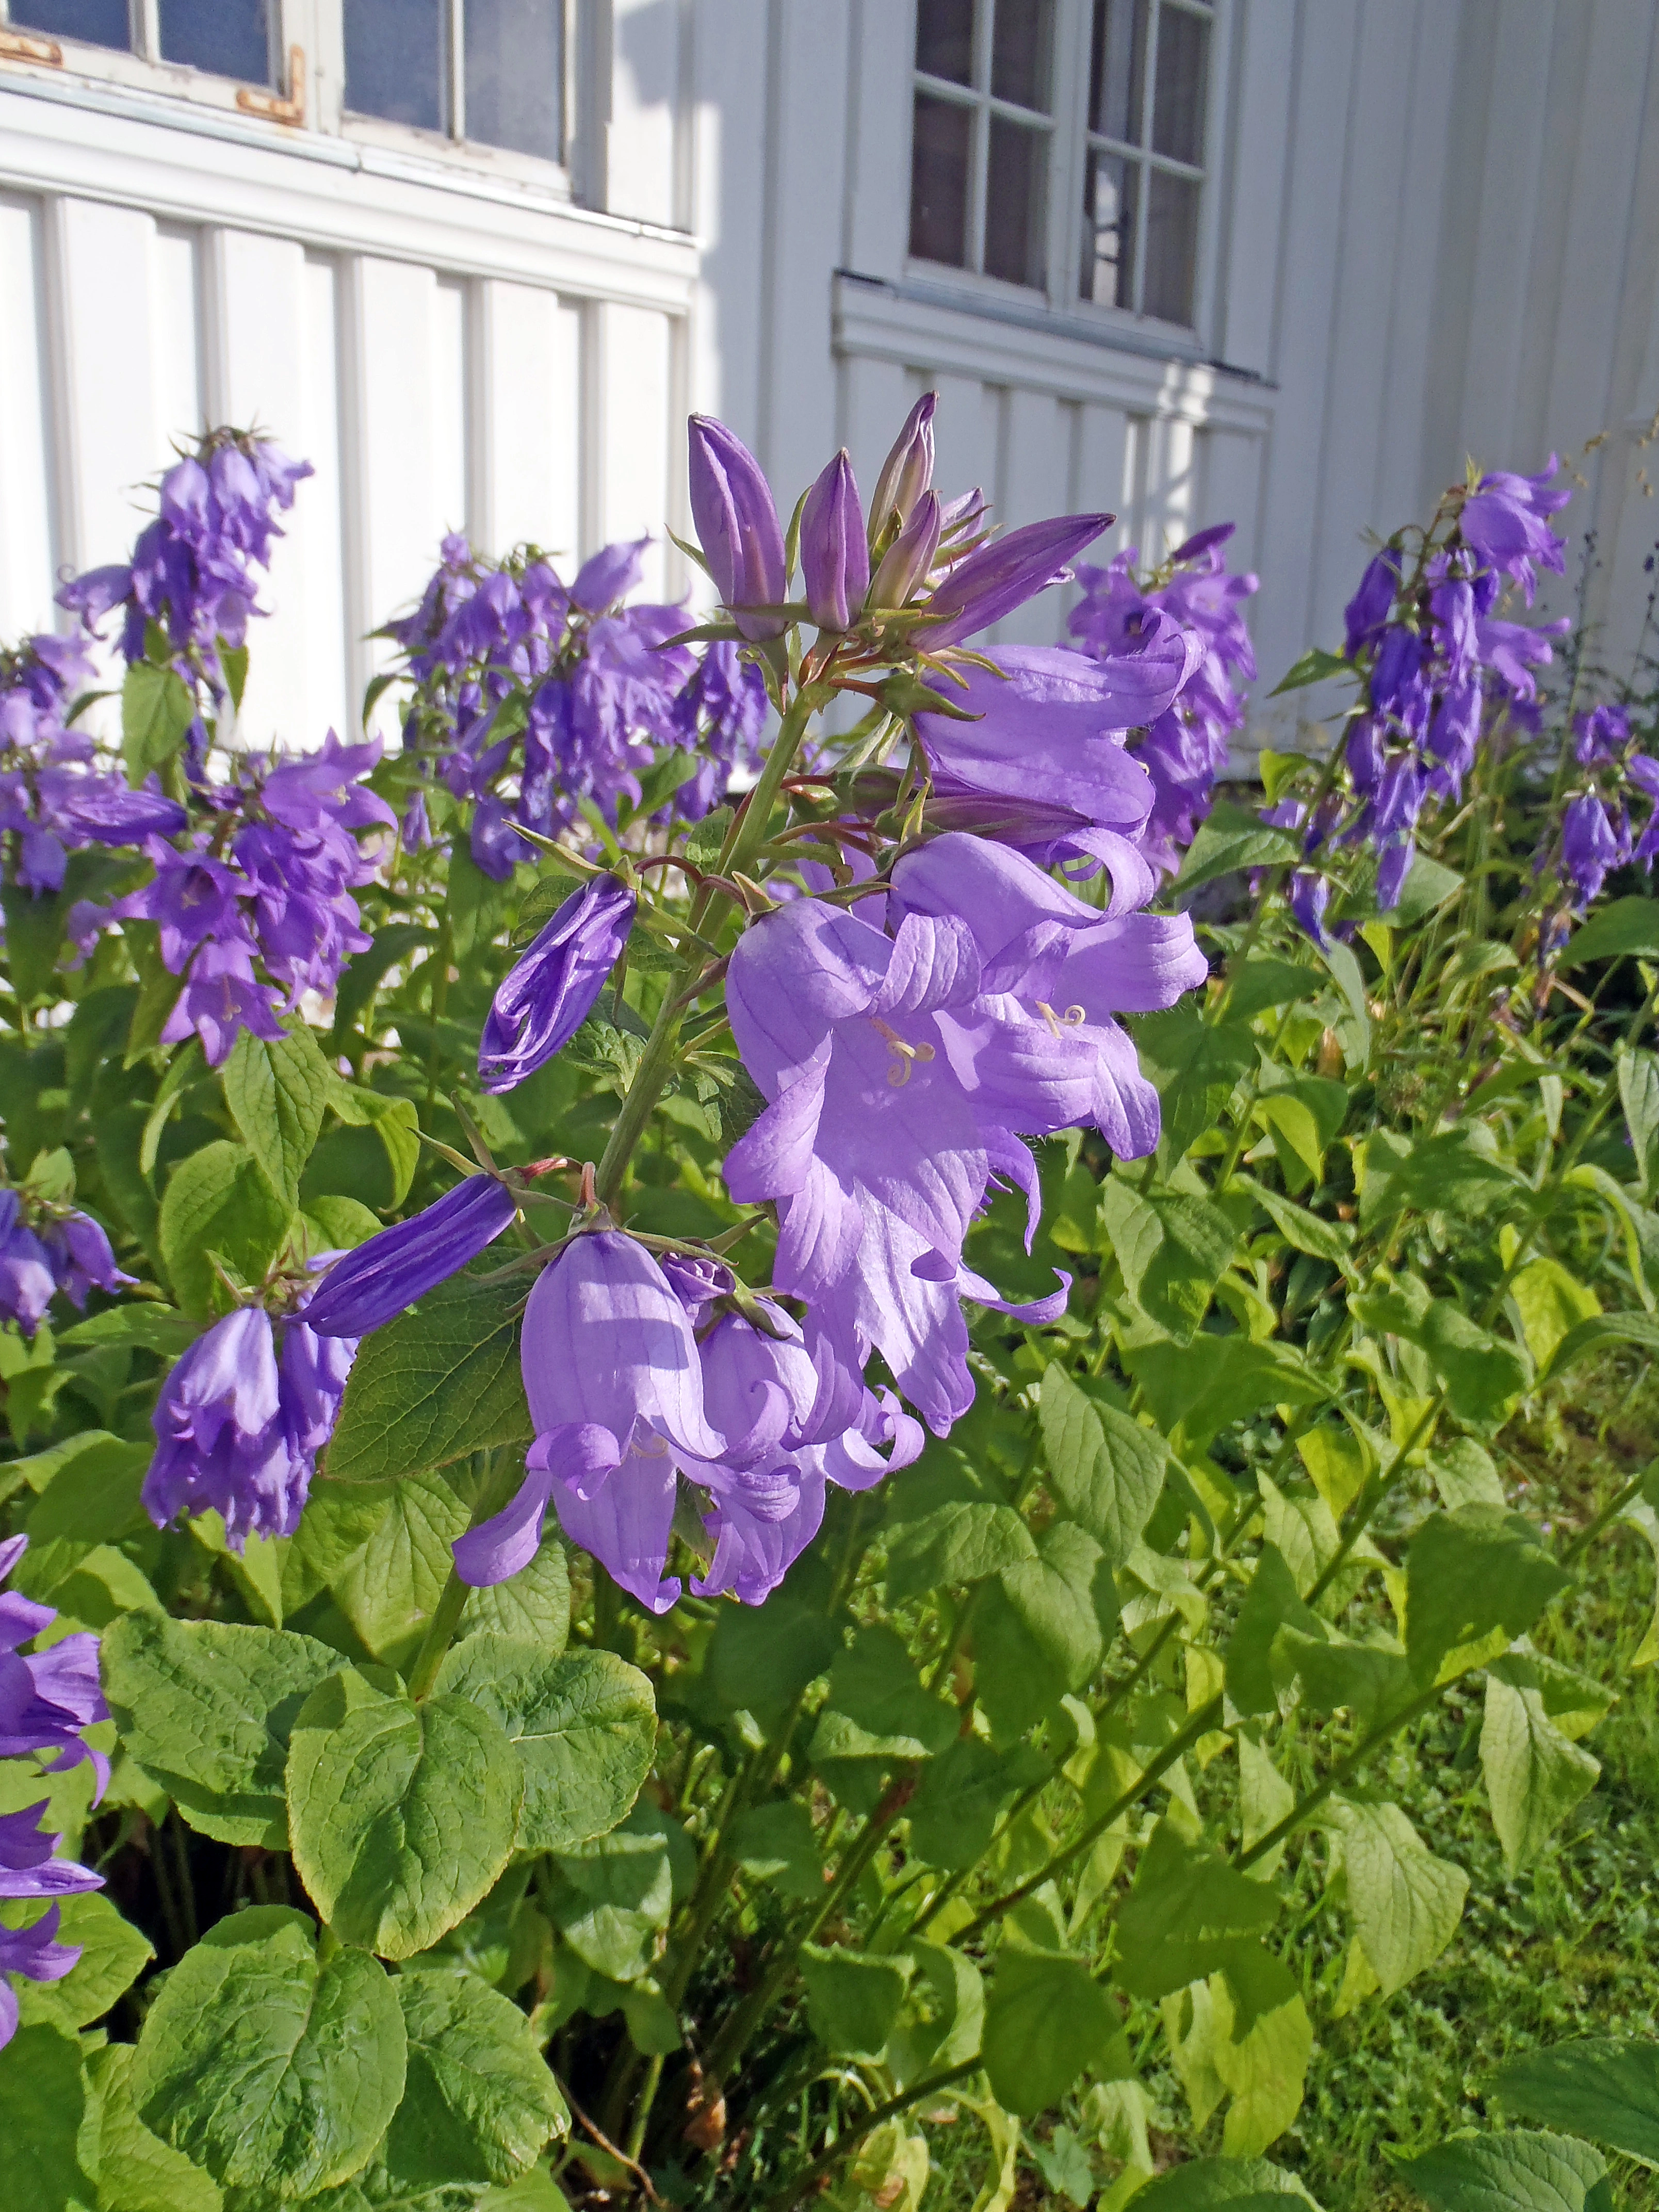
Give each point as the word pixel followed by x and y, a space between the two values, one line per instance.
pixel 1568 1947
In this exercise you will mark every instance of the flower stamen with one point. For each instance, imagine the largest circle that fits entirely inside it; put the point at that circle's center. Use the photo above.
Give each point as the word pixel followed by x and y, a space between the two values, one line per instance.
pixel 904 1055
pixel 1074 1017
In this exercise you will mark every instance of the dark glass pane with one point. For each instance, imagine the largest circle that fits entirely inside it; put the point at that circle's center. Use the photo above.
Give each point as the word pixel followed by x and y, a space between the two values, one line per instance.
pixel 939 181
pixel 394 60
pixel 513 80
pixel 1109 230
pixel 1171 247
pixel 1117 69
pixel 944 38
pixel 1017 204
pixel 100 22
pixel 1023 53
pixel 1184 53
pixel 232 37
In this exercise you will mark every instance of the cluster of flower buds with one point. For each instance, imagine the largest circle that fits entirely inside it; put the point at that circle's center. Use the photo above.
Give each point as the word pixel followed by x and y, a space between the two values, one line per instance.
pixel 1437 664
pixel 905 1050
pixel 269 881
pixel 48 1699
pixel 1184 749
pixel 1596 832
pixel 54 799
pixel 194 574
pixel 532 697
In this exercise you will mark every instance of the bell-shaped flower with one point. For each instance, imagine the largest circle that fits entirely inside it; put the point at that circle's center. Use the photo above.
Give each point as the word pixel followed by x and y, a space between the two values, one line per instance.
pixel 27 1279
pixel 544 998
pixel 1506 521
pixel 615 1385
pixel 30 1866
pixel 609 575
pixel 907 471
pixel 835 555
pixel 370 1285
pixel 990 582
pixel 738 527
pixel 1589 847
pixel 1369 610
pixel 47 1698
pixel 34 1952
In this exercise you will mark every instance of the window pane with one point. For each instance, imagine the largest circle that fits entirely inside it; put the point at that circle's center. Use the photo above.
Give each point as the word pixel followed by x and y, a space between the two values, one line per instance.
pixel 944 38
pixel 1109 230
pixel 1178 97
pixel 514 82
pixel 1023 53
pixel 1171 247
pixel 232 37
pixel 1117 69
pixel 394 60
pixel 939 181
pixel 100 22
pixel 1017 204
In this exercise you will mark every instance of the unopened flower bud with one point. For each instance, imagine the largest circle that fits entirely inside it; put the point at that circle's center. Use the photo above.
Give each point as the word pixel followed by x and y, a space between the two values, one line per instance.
pixel 835 555
pixel 907 560
pixel 907 472
pixel 737 526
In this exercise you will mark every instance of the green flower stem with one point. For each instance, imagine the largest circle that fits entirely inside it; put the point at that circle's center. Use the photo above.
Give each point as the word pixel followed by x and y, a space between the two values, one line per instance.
pixel 1339 1774
pixel 502 1478
pixel 745 839
pixel 800 2182
pixel 1199 1724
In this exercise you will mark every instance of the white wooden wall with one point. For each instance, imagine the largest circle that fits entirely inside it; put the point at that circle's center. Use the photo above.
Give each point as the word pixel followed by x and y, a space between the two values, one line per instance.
pixel 1436 232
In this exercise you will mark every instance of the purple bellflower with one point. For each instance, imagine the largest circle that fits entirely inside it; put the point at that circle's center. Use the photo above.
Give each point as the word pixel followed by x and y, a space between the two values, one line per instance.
pixel 995 578
pixel 28 1863
pixel 1367 613
pixel 34 1952
pixel 721 717
pixel 66 1252
pixel 49 1699
pixel 1589 847
pixel 373 1284
pixel 834 553
pixel 1505 519
pixel 239 1423
pixel 545 997
pixel 608 575
pixel 736 525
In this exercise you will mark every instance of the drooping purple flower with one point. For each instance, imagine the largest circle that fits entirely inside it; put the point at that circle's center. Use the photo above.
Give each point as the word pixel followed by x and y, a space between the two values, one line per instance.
pixel 1310 895
pixel 1367 610
pixel 30 1866
pixel 615 1384
pixel 1602 734
pixel 34 1952
pixel 736 525
pixel 546 996
pixel 78 1251
pixel 907 471
pixel 240 1422
pixel 834 553
pixel 720 715
pixel 48 1698
pixel 990 582
pixel 373 1284
pixel 27 1279
pixel 1506 521
pixel 1589 847
pixel 609 575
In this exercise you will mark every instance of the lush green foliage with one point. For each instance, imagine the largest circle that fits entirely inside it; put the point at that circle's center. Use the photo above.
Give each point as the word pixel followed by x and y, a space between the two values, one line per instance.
pixel 1078 1766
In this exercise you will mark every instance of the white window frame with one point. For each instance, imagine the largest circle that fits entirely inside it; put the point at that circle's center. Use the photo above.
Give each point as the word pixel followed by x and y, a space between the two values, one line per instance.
pixel 1070 140
pixel 305 90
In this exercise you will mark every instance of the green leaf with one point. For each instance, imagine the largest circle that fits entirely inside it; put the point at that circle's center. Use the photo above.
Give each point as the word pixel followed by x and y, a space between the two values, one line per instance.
pixel 1639 1093
pixel 278 1093
pixel 41 2106
pixel 1105 1469
pixel 1405 1902
pixel 434 1385
pixel 1206 1387
pixel 1196 1066
pixel 208 1707
pixel 1304 1231
pixel 876 1714
pixel 1272 1604
pixel 479 2101
pixel 1230 840
pixel 533 1605
pixel 1344 965
pixel 330 1222
pixel 401 1815
pixel 957 1799
pixel 219 1200
pixel 585 1727
pixel 1173 1249
pixel 1623 926
pixel 156 713
pixel 145 1325
pixel 1588 1336
pixel 1425 890
pixel 270 2066
pixel 338 1522
pixel 614 1906
pixel 387 1590
pixel 1062 1599
pixel 1316 666
pixel 1475 1579
pixel 960 1541
pixel 1605 2087
pixel 137 2170
pixel 1534 1775
pixel 1515 2173
pixel 852 1999
pixel 395 1122
pixel 1260 2051
pixel 777 1845
pixel 1208 2184
pixel 1185 1915
pixel 1046 2020
pixel 113 1954
pixel 1482 1376
pixel 1260 982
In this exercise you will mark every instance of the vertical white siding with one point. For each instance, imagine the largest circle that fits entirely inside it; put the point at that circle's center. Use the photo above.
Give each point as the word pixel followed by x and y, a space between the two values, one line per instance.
pixel 26 550
pixel 530 402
